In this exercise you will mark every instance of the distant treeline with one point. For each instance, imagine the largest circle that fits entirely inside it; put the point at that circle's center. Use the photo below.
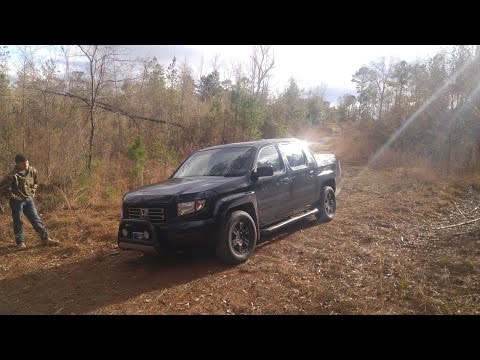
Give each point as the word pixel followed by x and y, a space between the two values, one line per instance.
pixel 127 117
pixel 430 108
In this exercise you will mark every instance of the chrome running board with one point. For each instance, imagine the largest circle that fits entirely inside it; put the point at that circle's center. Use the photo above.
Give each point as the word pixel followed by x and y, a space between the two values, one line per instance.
pixel 286 222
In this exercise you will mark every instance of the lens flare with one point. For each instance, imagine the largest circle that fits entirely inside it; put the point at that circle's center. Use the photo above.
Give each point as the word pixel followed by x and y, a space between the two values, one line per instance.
pixel 414 117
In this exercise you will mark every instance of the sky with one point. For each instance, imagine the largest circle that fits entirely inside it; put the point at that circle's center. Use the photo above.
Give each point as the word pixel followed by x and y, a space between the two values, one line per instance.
pixel 326 66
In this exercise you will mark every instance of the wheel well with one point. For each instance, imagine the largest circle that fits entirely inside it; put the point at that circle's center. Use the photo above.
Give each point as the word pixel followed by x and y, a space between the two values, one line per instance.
pixel 248 207
pixel 330 183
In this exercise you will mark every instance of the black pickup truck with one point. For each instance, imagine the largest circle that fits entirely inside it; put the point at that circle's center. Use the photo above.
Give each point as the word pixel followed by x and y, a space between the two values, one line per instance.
pixel 224 197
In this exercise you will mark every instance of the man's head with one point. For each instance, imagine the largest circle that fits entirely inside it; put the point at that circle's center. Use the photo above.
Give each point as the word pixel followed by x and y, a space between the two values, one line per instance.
pixel 21 162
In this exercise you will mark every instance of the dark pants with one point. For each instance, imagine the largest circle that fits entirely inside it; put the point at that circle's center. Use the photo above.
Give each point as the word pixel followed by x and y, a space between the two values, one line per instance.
pixel 27 207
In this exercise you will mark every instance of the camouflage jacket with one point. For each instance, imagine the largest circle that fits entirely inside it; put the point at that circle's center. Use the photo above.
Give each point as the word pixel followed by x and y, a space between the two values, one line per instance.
pixel 18 186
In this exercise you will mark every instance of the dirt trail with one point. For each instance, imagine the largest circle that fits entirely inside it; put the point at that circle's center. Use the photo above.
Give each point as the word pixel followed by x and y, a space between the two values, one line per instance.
pixel 381 255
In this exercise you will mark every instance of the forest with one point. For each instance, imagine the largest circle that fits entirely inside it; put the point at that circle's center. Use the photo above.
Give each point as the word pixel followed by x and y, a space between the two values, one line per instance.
pixel 96 123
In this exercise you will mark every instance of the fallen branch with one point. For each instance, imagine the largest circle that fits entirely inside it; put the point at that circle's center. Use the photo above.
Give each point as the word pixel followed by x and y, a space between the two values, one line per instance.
pixel 113 109
pixel 464 223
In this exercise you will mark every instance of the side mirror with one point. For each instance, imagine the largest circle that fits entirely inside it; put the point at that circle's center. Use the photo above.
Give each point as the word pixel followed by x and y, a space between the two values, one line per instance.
pixel 266 170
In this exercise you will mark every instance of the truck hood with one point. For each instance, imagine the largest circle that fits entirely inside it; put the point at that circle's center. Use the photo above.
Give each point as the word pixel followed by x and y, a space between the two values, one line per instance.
pixel 169 190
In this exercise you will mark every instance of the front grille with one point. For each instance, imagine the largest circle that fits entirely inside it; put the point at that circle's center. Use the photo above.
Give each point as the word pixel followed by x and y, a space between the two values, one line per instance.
pixel 154 215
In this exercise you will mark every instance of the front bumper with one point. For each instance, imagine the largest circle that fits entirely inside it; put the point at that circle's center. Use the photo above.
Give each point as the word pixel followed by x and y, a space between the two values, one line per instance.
pixel 164 237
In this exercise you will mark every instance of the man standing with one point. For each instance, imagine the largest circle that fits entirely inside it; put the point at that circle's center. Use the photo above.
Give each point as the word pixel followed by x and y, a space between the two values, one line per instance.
pixel 20 186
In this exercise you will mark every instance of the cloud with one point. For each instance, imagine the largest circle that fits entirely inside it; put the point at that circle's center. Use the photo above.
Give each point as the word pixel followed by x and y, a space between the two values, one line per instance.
pixel 165 53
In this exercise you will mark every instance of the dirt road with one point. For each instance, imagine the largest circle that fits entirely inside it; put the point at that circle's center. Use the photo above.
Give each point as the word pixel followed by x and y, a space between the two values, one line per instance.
pixel 381 255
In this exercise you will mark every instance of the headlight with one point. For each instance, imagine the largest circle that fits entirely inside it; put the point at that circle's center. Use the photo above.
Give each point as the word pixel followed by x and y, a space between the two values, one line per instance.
pixel 190 207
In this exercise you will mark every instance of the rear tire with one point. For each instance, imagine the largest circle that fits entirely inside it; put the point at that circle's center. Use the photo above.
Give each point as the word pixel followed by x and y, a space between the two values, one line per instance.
pixel 327 205
pixel 238 238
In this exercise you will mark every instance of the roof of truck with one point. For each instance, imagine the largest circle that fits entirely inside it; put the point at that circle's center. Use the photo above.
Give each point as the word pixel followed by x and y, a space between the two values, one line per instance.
pixel 256 143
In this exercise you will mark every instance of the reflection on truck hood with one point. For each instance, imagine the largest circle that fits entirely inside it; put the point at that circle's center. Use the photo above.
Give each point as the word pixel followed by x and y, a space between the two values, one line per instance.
pixel 168 190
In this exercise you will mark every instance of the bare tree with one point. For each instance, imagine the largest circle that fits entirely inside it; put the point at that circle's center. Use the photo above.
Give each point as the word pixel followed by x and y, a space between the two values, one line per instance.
pixel 25 75
pixel 381 74
pixel 262 62
pixel 101 60
pixel 215 62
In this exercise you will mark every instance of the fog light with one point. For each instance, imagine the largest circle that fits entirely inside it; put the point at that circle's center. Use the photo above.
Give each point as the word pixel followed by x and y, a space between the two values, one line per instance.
pixel 146 235
pixel 124 232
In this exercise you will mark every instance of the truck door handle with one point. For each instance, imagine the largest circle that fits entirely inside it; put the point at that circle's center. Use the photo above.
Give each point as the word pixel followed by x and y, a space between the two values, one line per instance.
pixel 286 181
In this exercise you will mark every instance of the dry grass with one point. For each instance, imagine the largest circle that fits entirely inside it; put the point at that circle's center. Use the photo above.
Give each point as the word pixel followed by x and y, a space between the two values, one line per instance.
pixel 383 254
pixel 354 145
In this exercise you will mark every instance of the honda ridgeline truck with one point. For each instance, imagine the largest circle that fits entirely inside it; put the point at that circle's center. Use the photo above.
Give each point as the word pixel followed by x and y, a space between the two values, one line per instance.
pixel 224 197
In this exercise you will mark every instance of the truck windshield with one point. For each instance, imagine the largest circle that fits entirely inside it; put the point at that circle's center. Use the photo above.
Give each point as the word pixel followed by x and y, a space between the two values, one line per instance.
pixel 229 161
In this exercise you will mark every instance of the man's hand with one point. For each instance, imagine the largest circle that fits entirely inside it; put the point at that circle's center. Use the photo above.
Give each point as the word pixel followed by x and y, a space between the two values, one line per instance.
pixel 3 206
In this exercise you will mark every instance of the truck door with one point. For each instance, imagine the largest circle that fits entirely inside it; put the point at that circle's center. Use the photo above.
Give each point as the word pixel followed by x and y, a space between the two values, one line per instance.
pixel 272 192
pixel 303 177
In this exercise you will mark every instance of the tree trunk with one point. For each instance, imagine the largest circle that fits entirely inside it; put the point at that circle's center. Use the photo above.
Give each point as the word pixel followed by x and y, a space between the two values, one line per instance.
pixel 92 136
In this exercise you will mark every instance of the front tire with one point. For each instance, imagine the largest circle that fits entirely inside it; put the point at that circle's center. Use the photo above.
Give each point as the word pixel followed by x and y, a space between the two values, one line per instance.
pixel 327 205
pixel 238 238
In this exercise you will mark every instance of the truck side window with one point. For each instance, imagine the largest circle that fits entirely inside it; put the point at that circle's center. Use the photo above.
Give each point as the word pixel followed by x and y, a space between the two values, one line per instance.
pixel 294 154
pixel 269 156
pixel 308 153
